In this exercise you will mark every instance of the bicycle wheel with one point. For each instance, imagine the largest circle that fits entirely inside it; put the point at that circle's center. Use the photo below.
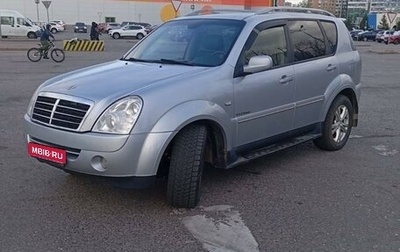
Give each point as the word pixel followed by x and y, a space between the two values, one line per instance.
pixel 57 55
pixel 34 54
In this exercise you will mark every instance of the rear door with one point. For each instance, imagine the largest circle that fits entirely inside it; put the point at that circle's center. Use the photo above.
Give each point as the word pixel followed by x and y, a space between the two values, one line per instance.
pixel 7 25
pixel 314 45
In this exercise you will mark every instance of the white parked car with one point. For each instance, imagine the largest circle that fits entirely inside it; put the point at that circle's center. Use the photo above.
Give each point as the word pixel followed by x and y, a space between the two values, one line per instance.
pixel 55 27
pixel 60 22
pixel 136 31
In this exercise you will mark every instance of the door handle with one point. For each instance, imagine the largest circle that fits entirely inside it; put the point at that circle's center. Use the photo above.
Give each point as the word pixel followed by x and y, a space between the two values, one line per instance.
pixel 331 68
pixel 285 79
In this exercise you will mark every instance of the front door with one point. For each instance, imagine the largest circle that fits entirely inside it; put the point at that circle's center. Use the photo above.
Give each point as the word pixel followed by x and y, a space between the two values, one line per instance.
pixel 264 101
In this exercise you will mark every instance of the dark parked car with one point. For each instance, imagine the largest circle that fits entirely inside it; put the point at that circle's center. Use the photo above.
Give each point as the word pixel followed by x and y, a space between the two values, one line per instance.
pixel 80 27
pixel 368 35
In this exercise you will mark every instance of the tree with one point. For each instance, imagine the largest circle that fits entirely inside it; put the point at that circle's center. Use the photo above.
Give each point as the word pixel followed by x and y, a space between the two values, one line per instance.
pixel 304 4
pixel 383 24
pixel 364 22
pixel 397 25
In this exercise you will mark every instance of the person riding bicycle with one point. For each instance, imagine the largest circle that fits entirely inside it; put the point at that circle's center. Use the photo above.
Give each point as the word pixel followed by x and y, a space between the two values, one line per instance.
pixel 45 40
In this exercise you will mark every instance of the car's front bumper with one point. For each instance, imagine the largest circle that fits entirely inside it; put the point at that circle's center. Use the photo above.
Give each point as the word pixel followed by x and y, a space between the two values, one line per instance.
pixel 99 154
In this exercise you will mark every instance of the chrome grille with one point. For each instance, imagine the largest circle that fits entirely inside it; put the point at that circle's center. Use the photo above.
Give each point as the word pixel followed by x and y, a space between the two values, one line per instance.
pixel 59 112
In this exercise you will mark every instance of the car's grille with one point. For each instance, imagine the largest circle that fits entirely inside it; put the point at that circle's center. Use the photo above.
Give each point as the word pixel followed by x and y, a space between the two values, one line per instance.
pixel 59 112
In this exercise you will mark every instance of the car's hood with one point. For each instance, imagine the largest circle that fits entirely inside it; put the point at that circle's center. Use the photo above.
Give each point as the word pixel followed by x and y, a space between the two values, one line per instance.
pixel 116 78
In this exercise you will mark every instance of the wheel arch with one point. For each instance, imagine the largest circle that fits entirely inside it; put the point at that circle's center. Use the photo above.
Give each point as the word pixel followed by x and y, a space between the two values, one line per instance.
pixel 195 112
pixel 342 86
pixel 31 35
pixel 215 152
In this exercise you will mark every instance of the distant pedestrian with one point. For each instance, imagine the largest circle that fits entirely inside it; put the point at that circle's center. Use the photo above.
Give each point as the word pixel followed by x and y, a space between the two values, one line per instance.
pixel 94 31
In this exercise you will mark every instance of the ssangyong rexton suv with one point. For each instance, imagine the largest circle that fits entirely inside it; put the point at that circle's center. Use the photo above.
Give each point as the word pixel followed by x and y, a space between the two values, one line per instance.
pixel 220 89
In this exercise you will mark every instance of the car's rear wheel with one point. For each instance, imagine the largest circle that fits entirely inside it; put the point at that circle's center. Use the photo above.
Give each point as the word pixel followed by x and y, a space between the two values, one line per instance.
pixel 365 39
pixel 116 35
pixel 139 36
pixel 186 167
pixel 337 125
pixel 54 30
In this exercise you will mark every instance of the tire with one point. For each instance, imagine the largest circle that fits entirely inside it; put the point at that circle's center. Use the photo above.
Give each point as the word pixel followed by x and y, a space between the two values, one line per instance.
pixel 32 35
pixel 186 167
pixel 57 55
pixel 139 36
pixel 54 30
pixel 365 39
pixel 337 125
pixel 34 54
pixel 116 35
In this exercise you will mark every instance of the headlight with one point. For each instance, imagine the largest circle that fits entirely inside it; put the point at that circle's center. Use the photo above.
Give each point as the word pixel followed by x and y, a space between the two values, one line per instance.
pixel 120 117
pixel 32 103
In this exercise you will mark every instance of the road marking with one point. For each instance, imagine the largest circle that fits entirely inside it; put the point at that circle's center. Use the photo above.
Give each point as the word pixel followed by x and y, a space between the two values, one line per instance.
pixel 355 136
pixel 384 150
pixel 221 229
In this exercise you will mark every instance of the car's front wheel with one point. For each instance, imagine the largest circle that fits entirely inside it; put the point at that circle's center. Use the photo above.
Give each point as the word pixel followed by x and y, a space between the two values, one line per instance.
pixel 186 167
pixel 337 125
pixel 116 35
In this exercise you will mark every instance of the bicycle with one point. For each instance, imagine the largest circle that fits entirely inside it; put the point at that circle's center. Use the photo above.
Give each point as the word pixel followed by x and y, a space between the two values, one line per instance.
pixel 36 54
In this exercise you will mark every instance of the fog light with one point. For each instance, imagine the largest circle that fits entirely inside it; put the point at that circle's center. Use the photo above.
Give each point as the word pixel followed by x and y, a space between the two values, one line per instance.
pixel 99 163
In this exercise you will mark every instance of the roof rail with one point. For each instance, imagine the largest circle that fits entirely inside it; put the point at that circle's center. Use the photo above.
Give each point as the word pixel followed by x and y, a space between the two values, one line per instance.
pixel 294 9
pixel 218 11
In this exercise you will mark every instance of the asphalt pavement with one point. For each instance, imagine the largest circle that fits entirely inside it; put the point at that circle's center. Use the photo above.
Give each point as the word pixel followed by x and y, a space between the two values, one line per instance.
pixel 299 199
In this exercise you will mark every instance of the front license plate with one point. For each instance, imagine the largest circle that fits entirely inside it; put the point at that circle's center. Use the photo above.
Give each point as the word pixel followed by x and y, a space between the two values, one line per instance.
pixel 48 153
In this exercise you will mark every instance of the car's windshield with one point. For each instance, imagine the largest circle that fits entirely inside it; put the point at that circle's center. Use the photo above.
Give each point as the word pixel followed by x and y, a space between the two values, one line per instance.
pixel 200 42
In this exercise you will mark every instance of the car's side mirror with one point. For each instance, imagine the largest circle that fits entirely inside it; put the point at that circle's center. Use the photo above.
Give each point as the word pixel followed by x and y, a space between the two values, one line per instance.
pixel 258 64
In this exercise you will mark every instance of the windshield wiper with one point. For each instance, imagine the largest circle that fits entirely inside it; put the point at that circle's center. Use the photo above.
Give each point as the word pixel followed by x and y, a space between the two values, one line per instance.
pixel 139 60
pixel 178 62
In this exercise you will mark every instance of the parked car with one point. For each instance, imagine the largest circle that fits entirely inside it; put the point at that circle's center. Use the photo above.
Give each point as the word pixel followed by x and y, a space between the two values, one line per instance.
pixel 112 26
pixel 136 31
pixel 354 34
pixel 394 38
pixel 80 27
pixel 386 36
pixel 368 35
pixel 55 27
pixel 242 86
pixel 60 22
pixel 379 36
pixel 135 23
pixel 150 28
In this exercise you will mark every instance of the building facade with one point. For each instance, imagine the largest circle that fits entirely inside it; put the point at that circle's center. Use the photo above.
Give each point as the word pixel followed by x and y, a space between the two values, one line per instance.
pixel 153 12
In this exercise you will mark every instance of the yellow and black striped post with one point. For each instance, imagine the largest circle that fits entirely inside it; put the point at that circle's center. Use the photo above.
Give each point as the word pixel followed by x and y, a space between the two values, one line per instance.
pixel 83 45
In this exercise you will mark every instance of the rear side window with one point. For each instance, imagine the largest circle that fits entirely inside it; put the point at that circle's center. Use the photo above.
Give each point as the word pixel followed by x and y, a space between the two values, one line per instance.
pixel 307 40
pixel 7 20
pixel 331 35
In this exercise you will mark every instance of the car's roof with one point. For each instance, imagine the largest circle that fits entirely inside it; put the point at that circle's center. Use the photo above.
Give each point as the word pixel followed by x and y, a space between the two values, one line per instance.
pixel 264 14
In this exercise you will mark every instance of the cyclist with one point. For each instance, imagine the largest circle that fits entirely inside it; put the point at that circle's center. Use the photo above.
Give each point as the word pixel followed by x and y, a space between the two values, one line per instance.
pixel 45 40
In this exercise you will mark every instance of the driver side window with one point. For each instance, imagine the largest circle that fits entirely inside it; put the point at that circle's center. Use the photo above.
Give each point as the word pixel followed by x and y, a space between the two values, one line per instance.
pixel 270 42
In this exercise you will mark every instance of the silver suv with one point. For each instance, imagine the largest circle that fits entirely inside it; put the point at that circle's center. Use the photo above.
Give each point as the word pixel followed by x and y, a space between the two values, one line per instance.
pixel 219 89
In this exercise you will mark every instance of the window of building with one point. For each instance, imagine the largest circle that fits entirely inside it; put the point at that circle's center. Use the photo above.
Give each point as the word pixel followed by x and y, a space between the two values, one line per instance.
pixel 110 19
pixel 307 39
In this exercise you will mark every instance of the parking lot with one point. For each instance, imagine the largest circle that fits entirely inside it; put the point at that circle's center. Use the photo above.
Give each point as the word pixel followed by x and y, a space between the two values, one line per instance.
pixel 300 199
